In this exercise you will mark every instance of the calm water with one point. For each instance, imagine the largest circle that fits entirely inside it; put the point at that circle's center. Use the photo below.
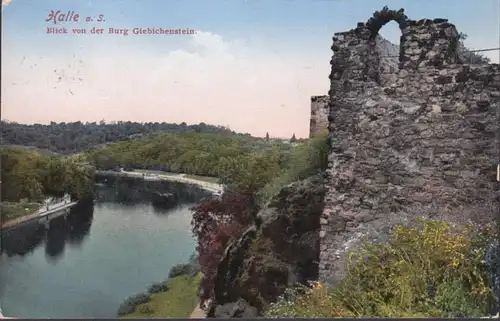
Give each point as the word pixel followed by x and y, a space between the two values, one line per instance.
pixel 87 264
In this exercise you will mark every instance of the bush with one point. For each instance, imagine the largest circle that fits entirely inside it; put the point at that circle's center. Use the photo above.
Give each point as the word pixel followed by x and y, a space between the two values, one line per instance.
pixel 131 303
pixel 306 160
pixel 146 309
pixel 425 271
pixel 216 222
pixel 180 269
pixel 195 266
pixel 158 287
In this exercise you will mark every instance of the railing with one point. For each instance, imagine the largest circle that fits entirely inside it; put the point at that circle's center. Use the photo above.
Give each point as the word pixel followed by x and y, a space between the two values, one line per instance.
pixel 470 51
pixel 471 56
pixel 181 179
pixel 48 207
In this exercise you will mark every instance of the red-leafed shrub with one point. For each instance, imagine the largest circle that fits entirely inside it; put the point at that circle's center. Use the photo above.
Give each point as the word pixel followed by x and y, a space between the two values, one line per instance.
pixel 215 223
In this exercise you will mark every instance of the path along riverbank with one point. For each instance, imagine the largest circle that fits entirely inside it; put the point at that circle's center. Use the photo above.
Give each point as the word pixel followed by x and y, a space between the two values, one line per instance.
pixel 198 313
pixel 208 186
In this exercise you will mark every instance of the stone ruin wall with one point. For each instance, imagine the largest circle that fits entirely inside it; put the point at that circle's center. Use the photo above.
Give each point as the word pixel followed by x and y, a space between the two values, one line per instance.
pixel 389 63
pixel 417 143
pixel 319 115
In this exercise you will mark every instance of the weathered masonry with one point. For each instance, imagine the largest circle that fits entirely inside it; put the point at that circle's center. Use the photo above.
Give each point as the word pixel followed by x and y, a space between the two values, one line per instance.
pixel 319 114
pixel 320 104
pixel 418 142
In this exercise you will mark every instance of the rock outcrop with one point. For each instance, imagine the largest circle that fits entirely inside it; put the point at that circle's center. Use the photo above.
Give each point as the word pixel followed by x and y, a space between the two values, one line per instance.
pixel 238 309
pixel 282 251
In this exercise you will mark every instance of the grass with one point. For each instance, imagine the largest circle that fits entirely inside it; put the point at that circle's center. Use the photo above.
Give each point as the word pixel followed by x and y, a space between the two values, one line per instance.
pixel 207 179
pixel 177 302
pixel 13 210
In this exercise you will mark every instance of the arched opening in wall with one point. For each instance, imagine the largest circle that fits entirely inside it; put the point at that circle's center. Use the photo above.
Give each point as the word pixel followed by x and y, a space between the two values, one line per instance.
pixel 388 51
pixel 387 45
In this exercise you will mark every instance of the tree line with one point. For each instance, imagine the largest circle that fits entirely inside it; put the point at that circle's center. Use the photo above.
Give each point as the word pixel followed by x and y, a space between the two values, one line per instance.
pixel 76 137
pixel 205 154
pixel 31 173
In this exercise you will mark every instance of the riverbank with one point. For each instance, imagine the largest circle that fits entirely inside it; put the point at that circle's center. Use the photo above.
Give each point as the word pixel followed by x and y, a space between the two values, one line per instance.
pixel 179 300
pixel 99 232
pixel 40 212
pixel 199 181
pixel 15 210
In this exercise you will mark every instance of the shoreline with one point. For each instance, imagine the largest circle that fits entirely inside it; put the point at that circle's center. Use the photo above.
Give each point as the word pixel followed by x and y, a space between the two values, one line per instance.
pixel 197 312
pixel 214 188
pixel 180 178
pixel 179 299
pixel 29 217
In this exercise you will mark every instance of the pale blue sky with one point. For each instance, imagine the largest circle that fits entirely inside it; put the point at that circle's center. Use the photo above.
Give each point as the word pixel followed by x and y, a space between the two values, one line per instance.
pixel 253 64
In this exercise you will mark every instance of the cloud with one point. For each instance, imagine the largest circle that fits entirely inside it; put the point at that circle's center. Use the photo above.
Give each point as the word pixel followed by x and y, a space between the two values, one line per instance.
pixel 209 79
pixel 205 78
pixel 6 2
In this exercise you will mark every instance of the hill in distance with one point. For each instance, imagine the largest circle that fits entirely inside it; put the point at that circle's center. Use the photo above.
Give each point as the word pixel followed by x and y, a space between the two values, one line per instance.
pixel 75 137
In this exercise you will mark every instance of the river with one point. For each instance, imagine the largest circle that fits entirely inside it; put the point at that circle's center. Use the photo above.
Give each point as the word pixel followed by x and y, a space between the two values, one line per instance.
pixel 85 265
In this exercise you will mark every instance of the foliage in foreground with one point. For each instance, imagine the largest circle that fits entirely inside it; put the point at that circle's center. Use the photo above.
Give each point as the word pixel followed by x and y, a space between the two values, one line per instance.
pixel 191 268
pixel 215 223
pixel 425 271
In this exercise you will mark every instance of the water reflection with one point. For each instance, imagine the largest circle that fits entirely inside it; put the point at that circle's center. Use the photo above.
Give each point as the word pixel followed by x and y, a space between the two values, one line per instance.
pixel 84 265
pixel 22 240
pixel 133 191
pixel 72 229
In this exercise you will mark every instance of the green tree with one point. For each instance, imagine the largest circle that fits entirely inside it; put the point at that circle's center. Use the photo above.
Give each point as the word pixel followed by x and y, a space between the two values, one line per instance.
pixel 54 176
pixel 80 178
pixel 28 174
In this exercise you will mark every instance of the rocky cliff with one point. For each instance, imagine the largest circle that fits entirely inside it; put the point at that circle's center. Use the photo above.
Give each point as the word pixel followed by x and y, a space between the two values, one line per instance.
pixel 279 252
